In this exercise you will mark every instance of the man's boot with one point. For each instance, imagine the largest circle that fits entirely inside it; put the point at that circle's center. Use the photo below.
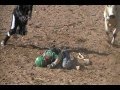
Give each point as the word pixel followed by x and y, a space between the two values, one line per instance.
pixel 3 42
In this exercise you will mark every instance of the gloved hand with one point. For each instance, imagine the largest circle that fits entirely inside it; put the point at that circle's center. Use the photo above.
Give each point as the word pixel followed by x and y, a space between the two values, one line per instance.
pixel 51 66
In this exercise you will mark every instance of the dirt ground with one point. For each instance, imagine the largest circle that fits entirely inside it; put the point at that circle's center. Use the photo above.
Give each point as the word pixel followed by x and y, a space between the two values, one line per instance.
pixel 78 27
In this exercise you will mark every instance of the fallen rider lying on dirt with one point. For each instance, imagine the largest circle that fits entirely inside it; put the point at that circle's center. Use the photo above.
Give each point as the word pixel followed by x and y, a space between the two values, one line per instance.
pixel 53 57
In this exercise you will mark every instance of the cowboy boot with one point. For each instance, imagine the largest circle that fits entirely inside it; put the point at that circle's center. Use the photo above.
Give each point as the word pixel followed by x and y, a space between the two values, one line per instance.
pixel 3 42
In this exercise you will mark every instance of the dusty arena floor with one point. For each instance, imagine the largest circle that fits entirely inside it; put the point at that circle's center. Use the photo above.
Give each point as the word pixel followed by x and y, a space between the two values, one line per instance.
pixel 78 27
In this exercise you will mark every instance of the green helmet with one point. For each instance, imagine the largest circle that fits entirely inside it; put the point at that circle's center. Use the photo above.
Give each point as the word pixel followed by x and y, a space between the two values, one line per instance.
pixel 40 62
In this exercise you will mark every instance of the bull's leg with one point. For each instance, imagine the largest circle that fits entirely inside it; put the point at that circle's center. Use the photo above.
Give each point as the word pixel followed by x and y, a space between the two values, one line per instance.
pixel 114 36
pixel 107 29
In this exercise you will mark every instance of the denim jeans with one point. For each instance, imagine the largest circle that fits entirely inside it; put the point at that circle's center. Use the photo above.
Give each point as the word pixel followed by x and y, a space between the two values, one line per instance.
pixel 66 60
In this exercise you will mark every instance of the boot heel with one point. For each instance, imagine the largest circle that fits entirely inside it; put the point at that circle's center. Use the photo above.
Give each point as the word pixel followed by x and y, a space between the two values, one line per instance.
pixel 2 43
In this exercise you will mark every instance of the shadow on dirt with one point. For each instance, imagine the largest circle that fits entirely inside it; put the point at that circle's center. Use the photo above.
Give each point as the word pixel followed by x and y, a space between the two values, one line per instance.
pixel 116 45
pixel 86 51
pixel 28 46
pixel 70 49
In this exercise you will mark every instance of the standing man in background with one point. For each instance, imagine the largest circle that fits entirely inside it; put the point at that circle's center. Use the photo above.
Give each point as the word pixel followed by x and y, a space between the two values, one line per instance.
pixel 20 17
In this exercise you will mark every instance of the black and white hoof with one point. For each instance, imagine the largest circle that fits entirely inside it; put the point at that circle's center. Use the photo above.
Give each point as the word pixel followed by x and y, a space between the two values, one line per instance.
pixel 2 43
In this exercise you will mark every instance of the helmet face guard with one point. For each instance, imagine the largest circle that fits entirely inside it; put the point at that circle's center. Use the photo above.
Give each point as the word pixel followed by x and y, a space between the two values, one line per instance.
pixel 48 56
pixel 47 59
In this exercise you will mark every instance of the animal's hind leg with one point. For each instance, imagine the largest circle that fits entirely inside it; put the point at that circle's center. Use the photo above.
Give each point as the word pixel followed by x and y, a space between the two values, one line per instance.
pixel 107 29
pixel 114 36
